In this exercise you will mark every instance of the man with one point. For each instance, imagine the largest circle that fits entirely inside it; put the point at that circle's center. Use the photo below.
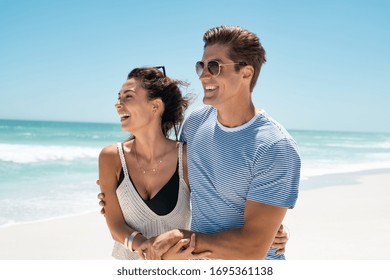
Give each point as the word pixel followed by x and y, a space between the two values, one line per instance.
pixel 243 166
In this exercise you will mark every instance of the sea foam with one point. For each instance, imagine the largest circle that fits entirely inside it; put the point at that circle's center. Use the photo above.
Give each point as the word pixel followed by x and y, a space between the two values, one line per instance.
pixel 22 153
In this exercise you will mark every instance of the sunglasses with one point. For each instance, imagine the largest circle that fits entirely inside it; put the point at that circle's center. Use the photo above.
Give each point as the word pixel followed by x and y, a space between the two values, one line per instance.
pixel 163 69
pixel 213 66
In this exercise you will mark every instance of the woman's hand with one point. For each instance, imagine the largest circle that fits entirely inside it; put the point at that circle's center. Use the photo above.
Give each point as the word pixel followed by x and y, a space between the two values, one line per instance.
pixel 280 240
pixel 155 247
pixel 184 250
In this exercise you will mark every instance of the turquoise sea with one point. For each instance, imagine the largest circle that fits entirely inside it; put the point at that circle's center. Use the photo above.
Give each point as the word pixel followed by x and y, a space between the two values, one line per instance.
pixel 49 169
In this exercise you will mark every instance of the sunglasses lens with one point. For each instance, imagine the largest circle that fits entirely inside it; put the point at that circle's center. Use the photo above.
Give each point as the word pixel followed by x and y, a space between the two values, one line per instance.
pixel 199 68
pixel 213 67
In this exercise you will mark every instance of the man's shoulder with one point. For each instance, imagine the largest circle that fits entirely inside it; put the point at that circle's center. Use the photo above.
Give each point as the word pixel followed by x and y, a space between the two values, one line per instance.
pixel 200 113
pixel 194 120
pixel 202 110
pixel 271 131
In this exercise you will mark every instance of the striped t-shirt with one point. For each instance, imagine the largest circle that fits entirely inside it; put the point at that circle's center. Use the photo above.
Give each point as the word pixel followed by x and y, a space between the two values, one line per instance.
pixel 256 161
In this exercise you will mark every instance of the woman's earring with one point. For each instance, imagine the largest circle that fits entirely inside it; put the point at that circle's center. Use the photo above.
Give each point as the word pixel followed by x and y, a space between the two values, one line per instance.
pixel 154 110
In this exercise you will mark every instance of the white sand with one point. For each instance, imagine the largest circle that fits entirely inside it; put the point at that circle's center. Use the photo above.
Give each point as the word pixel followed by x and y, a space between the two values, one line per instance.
pixel 84 237
pixel 348 221
pixel 342 221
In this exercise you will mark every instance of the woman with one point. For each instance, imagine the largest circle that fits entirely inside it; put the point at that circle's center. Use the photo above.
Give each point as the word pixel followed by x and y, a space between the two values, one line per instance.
pixel 143 179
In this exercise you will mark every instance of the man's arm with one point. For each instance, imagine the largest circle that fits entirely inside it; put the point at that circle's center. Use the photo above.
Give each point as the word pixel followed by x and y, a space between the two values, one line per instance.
pixel 252 241
pixel 280 240
pixel 273 190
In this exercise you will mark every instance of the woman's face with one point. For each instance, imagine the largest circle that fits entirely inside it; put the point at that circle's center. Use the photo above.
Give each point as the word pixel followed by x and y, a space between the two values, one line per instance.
pixel 134 108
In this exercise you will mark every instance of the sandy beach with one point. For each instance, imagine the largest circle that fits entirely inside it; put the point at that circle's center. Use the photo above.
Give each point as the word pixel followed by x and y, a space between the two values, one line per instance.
pixel 84 237
pixel 345 217
pixel 337 217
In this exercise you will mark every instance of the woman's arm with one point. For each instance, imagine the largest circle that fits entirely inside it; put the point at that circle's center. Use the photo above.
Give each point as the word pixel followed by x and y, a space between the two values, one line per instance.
pixel 109 168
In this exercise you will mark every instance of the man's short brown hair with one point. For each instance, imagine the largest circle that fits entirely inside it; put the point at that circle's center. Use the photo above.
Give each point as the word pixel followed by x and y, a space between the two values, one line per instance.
pixel 244 46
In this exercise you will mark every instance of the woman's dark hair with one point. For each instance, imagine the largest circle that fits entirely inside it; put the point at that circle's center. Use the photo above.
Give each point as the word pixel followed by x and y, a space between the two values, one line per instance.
pixel 160 86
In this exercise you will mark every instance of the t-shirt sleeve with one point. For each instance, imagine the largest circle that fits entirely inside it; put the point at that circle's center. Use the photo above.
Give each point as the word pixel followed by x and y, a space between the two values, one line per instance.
pixel 276 175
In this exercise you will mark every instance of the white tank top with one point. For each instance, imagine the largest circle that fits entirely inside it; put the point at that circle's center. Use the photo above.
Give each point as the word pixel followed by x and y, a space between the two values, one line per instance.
pixel 141 218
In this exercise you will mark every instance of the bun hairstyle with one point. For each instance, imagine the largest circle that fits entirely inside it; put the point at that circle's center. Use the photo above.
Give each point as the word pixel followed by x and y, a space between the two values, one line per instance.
pixel 160 86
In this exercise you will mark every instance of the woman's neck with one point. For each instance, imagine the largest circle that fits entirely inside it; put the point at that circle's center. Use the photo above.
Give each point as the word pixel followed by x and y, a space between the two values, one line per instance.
pixel 151 147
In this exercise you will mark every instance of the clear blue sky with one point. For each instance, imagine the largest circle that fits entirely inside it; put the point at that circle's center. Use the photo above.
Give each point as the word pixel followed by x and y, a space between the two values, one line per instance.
pixel 328 61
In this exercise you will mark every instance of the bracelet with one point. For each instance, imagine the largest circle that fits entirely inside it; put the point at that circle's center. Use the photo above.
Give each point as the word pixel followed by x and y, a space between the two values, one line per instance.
pixel 126 242
pixel 130 240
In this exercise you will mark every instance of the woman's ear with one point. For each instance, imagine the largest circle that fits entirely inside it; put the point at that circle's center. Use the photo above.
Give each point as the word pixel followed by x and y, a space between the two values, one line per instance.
pixel 158 106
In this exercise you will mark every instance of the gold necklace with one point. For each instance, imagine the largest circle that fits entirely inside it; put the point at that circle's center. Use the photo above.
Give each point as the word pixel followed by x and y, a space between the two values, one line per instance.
pixel 143 170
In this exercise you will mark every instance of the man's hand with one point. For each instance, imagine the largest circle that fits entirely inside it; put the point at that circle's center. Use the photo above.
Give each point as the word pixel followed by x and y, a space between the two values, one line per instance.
pixel 280 240
pixel 100 196
pixel 154 248
pixel 184 250
pixel 181 251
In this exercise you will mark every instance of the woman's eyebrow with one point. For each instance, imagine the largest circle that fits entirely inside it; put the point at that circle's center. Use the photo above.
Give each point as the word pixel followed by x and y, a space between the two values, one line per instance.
pixel 127 90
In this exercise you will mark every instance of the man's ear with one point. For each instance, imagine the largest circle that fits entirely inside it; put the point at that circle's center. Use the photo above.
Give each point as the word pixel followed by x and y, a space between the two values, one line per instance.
pixel 248 71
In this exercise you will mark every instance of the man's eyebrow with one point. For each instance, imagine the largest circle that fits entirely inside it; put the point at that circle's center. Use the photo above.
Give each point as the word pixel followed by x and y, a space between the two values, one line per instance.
pixel 213 59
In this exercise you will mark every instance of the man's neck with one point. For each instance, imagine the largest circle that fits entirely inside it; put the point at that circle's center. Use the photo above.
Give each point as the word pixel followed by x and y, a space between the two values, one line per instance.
pixel 235 116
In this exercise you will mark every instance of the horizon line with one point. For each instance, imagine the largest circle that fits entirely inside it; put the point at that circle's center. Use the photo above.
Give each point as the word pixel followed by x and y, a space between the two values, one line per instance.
pixel 118 123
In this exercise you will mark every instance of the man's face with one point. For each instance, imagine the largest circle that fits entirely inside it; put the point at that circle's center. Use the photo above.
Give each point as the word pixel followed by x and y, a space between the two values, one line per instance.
pixel 223 89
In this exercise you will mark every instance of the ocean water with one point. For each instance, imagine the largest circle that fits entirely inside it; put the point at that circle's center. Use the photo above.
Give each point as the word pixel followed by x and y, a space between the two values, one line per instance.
pixel 49 169
pixel 332 152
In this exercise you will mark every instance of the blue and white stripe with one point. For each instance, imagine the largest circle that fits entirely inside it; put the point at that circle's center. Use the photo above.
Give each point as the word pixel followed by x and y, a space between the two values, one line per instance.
pixel 257 161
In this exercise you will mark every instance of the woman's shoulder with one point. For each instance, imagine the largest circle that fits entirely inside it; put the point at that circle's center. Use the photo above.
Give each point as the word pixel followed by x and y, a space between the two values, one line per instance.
pixel 112 148
pixel 109 151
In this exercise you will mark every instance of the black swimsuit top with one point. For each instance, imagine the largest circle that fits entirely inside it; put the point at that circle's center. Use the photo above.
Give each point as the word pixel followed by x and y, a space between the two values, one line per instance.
pixel 165 200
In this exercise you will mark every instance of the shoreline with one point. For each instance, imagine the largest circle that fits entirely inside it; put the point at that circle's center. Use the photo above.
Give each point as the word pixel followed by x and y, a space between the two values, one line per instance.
pixel 337 217
pixel 13 224
pixel 337 179
pixel 311 183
